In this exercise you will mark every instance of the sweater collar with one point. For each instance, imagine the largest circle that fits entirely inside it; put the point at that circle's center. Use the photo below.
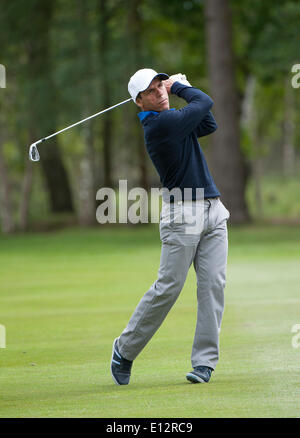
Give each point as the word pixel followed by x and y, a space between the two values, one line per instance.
pixel 143 114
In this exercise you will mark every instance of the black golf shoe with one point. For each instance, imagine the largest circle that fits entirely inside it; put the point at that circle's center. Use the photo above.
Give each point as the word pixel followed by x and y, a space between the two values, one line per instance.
pixel 120 367
pixel 200 374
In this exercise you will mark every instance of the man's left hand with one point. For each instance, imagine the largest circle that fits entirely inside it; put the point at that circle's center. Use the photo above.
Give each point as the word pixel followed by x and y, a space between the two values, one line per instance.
pixel 179 77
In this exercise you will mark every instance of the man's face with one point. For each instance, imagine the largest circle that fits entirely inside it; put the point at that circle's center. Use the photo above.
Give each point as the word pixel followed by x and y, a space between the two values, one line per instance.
pixel 155 97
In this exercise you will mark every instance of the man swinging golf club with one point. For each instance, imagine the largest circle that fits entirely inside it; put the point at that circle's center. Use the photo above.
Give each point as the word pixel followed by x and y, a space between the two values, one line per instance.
pixel 171 141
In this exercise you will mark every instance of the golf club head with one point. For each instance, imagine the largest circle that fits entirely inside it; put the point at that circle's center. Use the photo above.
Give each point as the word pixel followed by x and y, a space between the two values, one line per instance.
pixel 34 153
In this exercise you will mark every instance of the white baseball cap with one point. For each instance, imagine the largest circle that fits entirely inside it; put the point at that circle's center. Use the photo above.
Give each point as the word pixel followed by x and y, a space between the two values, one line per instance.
pixel 141 80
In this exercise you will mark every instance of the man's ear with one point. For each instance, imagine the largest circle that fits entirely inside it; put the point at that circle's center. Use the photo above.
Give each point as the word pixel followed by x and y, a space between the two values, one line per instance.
pixel 139 102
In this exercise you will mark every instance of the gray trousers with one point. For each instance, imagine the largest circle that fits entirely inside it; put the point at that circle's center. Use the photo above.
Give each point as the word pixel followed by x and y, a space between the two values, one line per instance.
pixel 206 245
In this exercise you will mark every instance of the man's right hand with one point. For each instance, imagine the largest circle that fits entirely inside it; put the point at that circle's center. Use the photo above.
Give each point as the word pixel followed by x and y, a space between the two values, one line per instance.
pixel 168 84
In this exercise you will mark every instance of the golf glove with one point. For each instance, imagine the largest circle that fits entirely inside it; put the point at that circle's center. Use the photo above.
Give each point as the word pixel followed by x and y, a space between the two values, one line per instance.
pixel 181 78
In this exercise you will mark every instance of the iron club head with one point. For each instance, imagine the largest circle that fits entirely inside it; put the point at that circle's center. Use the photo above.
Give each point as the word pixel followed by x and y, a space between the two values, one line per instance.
pixel 34 153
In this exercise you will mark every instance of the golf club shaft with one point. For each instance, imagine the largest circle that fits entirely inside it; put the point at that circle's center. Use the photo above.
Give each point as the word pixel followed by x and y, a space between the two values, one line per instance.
pixel 82 121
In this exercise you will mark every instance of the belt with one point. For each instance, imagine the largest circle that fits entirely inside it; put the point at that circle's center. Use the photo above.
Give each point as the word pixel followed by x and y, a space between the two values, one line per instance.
pixel 191 200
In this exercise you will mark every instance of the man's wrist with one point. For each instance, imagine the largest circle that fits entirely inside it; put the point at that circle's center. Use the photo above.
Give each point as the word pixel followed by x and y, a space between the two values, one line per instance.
pixel 177 86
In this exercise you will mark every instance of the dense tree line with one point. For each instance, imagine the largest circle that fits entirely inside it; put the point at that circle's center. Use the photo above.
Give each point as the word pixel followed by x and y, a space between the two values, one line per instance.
pixel 67 59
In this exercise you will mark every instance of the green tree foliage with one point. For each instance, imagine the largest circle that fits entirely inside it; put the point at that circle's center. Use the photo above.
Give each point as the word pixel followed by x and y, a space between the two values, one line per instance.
pixel 267 36
pixel 67 59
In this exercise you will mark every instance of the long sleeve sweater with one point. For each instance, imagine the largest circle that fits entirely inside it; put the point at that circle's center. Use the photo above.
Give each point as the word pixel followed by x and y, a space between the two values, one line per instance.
pixel 171 142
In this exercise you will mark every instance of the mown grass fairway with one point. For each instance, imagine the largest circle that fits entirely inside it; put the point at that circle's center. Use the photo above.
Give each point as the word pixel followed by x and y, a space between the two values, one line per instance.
pixel 65 296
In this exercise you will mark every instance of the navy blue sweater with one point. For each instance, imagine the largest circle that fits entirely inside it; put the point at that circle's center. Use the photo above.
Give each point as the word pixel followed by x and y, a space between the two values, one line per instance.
pixel 171 141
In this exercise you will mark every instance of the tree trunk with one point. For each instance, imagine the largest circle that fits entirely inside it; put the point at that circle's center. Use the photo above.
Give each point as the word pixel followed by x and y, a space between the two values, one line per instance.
pixel 87 193
pixel 56 178
pixel 229 168
pixel 289 131
pixel 25 195
pixel 249 123
pixel 135 39
pixel 6 210
pixel 42 106
pixel 107 121
pixel 258 171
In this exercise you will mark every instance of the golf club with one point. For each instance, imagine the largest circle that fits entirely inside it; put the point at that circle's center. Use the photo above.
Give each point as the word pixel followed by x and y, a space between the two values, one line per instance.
pixel 33 150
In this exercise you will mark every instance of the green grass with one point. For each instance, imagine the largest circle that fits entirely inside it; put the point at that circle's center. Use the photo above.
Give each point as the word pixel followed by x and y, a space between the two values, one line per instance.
pixel 65 296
